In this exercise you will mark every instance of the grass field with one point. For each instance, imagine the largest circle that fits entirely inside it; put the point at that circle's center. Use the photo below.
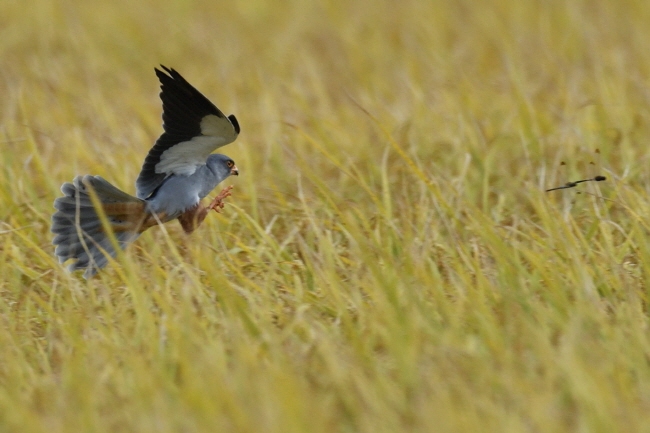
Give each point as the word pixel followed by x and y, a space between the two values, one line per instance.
pixel 389 261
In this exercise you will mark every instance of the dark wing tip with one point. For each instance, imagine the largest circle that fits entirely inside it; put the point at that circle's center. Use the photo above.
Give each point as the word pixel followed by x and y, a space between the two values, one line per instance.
pixel 161 75
pixel 172 78
pixel 235 123
pixel 178 93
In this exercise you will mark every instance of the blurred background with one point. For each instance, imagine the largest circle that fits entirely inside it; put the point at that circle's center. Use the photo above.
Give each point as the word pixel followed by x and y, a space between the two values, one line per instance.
pixel 539 82
pixel 389 260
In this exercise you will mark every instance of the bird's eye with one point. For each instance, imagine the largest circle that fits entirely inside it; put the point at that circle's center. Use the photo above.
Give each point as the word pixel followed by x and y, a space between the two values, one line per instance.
pixel 230 164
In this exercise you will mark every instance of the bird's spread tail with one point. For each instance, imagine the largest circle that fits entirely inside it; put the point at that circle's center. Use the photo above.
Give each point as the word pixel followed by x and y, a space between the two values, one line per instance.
pixel 80 232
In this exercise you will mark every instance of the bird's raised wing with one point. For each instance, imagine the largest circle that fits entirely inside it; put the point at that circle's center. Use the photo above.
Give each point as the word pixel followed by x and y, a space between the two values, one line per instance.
pixel 194 128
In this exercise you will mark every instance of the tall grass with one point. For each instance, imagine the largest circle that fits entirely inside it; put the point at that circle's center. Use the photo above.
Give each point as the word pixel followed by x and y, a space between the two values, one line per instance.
pixel 389 260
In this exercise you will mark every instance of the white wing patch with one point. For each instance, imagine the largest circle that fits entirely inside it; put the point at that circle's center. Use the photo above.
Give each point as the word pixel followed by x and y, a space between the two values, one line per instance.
pixel 215 126
pixel 186 156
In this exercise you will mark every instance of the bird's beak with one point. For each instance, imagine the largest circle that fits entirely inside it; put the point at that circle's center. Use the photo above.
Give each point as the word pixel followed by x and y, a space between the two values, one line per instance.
pixel 234 170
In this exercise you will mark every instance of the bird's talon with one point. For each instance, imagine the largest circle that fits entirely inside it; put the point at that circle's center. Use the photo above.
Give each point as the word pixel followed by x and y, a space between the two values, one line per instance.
pixel 217 203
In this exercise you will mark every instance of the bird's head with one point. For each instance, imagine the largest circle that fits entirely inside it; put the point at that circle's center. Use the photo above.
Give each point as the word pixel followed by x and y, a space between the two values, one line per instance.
pixel 222 165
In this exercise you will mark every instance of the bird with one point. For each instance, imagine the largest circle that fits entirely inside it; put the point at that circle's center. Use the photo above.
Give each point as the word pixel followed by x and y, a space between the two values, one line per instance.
pixel 93 217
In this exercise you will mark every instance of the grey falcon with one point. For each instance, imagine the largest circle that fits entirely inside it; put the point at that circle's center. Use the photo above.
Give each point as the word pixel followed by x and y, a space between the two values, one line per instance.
pixel 179 171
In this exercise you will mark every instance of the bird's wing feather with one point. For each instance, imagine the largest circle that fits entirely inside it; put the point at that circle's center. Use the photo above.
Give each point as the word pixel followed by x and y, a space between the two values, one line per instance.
pixel 194 128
